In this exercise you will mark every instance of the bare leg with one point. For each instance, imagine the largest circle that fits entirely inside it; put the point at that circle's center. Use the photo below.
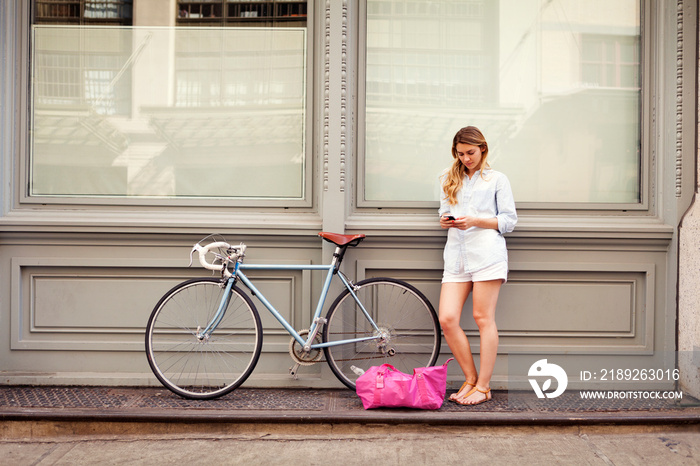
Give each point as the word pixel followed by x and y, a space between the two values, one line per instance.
pixel 485 298
pixel 452 299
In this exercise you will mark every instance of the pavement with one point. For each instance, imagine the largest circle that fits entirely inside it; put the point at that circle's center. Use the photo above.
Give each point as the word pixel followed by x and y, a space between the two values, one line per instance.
pixel 119 425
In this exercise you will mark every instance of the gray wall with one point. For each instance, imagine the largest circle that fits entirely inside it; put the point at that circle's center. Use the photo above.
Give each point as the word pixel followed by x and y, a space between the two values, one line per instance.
pixel 77 283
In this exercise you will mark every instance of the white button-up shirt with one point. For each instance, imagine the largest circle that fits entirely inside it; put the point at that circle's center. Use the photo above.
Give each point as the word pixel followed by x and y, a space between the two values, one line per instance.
pixel 476 248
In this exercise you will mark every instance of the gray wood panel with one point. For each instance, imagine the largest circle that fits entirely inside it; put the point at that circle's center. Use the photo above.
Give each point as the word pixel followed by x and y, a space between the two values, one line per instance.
pixel 78 279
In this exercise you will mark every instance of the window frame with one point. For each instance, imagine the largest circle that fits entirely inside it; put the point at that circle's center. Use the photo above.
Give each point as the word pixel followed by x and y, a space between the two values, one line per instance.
pixel 649 83
pixel 24 199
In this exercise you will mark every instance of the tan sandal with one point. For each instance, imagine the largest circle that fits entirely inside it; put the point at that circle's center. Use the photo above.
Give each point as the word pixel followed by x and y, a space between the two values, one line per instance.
pixel 476 389
pixel 453 398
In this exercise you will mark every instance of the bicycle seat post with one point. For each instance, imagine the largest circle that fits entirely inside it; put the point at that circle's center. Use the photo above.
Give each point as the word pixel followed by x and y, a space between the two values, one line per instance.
pixel 338 258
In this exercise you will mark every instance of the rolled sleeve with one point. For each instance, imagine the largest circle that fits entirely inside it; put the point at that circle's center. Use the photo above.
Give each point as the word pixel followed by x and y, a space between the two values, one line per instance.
pixel 444 206
pixel 505 207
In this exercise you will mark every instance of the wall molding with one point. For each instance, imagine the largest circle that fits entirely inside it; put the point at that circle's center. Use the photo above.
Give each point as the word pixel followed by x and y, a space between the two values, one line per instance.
pixel 343 94
pixel 326 90
pixel 679 99
pixel 50 294
pixel 328 57
pixel 623 327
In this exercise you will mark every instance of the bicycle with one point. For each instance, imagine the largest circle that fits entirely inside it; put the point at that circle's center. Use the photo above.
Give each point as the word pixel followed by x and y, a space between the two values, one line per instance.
pixel 204 336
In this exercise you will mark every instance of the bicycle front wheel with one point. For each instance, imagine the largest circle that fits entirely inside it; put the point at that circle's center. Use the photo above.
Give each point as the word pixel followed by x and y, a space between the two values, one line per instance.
pixel 407 333
pixel 197 365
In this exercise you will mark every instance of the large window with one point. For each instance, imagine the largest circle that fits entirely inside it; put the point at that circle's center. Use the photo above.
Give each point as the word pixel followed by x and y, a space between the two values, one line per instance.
pixel 554 85
pixel 168 113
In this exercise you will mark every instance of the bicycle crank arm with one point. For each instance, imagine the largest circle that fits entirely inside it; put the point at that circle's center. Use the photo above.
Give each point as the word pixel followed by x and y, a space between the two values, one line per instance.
pixel 294 370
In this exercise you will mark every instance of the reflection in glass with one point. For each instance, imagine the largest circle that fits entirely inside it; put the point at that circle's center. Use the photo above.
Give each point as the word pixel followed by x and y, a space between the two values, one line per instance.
pixel 554 85
pixel 168 112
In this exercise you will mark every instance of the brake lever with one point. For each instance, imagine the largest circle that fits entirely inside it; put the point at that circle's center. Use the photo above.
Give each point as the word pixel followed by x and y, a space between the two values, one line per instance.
pixel 196 247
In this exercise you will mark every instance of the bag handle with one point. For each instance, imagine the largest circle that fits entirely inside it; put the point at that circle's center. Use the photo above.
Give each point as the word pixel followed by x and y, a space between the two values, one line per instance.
pixel 418 370
pixel 379 380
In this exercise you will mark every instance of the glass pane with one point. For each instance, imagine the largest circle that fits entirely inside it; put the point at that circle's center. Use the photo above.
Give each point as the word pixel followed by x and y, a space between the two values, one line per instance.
pixel 552 84
pixel 168 112
pixel 113 12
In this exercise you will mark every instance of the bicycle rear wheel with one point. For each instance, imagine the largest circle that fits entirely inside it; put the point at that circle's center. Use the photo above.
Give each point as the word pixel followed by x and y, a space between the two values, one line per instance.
pixel 408 336
pixel 203 366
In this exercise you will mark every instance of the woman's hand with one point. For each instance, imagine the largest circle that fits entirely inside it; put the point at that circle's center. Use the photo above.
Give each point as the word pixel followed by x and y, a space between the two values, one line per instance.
pixel 464 223
pixel 456 223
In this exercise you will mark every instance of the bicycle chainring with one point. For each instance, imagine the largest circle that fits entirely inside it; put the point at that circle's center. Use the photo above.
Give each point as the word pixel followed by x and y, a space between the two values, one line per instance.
pixel 296 351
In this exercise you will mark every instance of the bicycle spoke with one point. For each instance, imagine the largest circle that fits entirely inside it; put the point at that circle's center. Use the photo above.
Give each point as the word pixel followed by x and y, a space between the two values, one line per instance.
pixel 197 365
pixel 408 337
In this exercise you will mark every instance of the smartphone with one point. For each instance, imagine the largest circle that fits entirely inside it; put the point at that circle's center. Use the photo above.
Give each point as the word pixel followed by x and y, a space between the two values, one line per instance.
pixel 450 217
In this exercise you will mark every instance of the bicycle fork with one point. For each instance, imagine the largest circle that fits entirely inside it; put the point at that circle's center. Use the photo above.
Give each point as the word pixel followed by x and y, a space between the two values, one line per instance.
pixel 203 335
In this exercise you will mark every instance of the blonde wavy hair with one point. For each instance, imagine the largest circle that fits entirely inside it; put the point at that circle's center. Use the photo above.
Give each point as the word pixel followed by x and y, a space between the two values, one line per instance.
pixel 453 178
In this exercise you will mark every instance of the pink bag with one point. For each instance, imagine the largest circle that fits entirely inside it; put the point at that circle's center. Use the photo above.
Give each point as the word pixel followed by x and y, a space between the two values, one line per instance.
pixel 385 387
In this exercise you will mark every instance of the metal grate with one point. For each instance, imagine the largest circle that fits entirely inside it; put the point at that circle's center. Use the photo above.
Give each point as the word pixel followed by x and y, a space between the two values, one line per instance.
pixel 61 397
pixel 104 398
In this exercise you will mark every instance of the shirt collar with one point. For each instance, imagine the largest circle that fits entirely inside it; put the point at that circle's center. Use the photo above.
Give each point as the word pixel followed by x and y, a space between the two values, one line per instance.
pixel 476 173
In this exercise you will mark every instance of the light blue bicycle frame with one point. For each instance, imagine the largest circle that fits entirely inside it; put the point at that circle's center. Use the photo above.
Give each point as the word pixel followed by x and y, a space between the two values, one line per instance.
pixel 238 274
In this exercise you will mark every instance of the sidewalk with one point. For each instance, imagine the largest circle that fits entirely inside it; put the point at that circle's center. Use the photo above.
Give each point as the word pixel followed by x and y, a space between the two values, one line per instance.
pixel 336 406
pixel 103 425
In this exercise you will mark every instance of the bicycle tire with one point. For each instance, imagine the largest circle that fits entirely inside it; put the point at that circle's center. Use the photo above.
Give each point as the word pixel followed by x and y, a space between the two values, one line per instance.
pixel 404 316
pixel 203 368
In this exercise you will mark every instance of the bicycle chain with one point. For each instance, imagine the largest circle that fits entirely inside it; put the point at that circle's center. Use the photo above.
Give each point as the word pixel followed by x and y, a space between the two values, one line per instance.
pixel 383 356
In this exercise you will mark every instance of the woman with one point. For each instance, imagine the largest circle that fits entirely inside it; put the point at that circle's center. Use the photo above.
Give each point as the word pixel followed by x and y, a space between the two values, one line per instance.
pixel 477 208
